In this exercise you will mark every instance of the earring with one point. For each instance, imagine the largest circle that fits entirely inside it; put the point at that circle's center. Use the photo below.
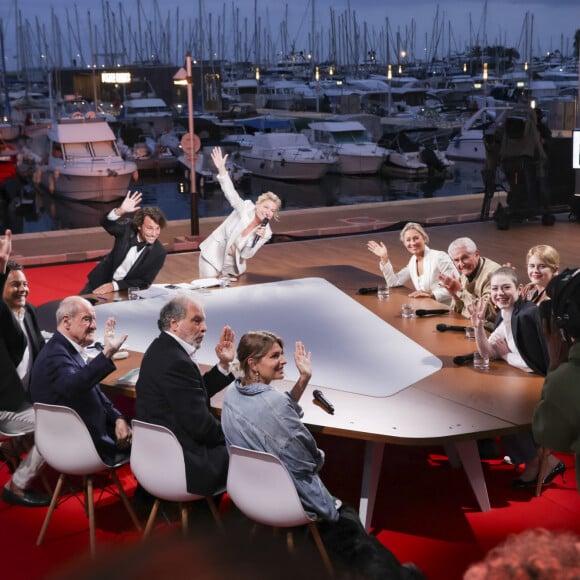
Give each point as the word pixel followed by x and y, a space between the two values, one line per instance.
pixel 256 376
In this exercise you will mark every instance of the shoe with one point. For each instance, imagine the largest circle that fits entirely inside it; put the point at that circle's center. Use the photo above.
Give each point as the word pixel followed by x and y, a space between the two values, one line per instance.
pixel 30 498
pixel 558 470
pixel 520 483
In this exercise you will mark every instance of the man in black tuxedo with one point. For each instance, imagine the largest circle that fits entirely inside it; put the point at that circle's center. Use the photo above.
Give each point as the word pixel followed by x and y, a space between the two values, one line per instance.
pixel 20 343
pixel 172 392
pixel 137 255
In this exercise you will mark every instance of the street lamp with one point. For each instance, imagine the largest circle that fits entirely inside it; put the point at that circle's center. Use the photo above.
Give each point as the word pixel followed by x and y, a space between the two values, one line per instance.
pixel 183 77
pixel 317 78
pixel 390 79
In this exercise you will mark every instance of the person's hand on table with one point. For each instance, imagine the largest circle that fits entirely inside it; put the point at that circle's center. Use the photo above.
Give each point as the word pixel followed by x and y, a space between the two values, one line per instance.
pixel 106 288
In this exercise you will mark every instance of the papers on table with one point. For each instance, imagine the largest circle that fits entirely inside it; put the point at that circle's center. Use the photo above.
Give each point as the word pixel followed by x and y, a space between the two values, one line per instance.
pixel 204 283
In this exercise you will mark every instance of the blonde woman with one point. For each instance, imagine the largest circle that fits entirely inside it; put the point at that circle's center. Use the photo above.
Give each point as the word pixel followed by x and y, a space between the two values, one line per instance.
pixel 424 267
pixel 543 263
pixel 242 233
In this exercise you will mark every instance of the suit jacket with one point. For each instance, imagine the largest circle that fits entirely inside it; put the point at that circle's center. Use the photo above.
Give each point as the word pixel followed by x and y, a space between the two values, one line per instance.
pixel 172 392
pixel 12 346
pixel 143 271
pixel 479 287
pixel 435 262
pixel 526 326
pixel 60 376
pixel 215 247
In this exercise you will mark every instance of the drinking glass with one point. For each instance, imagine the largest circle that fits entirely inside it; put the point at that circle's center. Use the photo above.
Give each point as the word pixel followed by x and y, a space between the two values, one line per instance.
pixel 480 361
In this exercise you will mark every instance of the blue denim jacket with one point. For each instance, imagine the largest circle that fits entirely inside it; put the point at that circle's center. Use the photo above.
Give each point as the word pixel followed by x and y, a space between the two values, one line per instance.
pixel 258 417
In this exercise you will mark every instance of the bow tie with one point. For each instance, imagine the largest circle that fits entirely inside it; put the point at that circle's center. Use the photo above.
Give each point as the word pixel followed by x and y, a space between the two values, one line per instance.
pixel 139 245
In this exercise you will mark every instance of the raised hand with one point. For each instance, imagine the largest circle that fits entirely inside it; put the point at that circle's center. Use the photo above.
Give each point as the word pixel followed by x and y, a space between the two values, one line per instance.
pixel 5 250
pixel 112 343
pixel 379 250
pixel 303 360
pixel 477 310
pixel 226 347
pixel 131 202
pixel 219 160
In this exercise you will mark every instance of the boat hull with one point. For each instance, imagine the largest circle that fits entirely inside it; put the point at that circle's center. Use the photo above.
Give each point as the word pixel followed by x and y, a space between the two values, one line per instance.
pixel 358 164
pixel 103 185
pixel 285 169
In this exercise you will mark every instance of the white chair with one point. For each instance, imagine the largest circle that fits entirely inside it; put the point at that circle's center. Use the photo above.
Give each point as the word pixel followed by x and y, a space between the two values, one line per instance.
pixel 158 464
pixel 65 443
pixel 261 487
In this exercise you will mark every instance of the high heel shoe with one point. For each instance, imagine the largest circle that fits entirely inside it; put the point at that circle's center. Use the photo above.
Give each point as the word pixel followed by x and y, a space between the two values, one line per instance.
pixel 558 470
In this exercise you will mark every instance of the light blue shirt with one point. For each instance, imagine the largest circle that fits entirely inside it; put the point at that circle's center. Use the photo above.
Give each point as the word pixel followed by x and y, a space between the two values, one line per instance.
pixel 258 417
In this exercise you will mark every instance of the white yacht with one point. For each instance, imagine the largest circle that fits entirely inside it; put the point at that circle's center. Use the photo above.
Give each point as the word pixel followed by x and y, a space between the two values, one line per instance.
pixel 84 162
pixel 286 156
pixel 351 143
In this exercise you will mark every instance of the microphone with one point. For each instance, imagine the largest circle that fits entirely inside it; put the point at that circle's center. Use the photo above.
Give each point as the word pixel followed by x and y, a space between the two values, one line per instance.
pixel 433 311
pixel 371 290
pixel 443 327
pixel 462 359
pixel 257 236
pixel 98 346
pixel 320 398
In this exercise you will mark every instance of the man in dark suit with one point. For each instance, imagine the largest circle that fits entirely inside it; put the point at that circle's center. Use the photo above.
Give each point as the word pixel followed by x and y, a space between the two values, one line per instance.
pixel 64 374
pixel 172 392
pixel 137 255
pixel 20 343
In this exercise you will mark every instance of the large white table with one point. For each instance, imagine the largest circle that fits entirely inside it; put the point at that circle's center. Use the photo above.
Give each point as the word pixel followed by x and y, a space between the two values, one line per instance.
pixel 391 380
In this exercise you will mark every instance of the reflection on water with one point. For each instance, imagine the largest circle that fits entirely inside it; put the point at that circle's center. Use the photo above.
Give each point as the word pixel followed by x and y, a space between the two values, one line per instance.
pixel 170 193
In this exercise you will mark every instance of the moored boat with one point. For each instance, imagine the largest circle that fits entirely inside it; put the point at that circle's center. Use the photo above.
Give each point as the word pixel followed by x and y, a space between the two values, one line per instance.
pixel 84 162
pixel 351 143
pixel 286 156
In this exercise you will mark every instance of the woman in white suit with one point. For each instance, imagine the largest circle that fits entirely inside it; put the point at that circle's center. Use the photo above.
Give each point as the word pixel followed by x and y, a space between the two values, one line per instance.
pixel 242 233
pixel 423 268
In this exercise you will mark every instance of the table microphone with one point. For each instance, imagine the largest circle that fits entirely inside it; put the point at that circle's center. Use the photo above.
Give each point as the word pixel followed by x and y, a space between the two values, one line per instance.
pixel 462 359
pixel 98 346
pixel 443 327
pixel 326 404
pixel 432 311
pixel 371 290
pixel 257 236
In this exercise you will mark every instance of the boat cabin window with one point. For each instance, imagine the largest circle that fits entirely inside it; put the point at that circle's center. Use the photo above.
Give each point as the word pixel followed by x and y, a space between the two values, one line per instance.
pixel 78 150
pixel 104 148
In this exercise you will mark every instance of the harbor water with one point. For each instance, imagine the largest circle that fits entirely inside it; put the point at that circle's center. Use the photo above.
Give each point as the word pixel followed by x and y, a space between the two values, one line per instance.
pixel 42 212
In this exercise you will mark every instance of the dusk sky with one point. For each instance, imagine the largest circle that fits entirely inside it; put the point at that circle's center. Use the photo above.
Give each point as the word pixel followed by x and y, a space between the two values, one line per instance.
pixel 555 21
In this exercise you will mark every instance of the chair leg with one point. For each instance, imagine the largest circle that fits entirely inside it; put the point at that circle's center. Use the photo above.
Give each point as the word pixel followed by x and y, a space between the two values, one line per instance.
pixel 125 501
pixel 321 548
pixel 215 513
pixel 544 454
pixel 184 518
pixel 51 507
pixel 151 519
pixel 91 509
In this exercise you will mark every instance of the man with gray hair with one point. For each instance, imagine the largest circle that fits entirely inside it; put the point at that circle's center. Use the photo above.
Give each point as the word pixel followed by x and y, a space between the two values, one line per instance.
pixel 474 283
pixel 64 373
pixel 172 392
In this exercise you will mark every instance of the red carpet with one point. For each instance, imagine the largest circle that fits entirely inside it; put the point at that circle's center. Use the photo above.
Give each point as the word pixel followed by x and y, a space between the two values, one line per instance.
pixel 425 510
pixel 49 283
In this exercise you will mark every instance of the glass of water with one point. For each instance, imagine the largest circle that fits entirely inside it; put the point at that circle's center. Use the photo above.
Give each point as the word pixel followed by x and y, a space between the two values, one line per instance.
pixel 383 292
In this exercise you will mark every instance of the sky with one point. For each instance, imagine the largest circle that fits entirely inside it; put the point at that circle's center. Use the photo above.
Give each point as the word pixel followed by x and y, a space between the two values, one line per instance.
pixel 554 21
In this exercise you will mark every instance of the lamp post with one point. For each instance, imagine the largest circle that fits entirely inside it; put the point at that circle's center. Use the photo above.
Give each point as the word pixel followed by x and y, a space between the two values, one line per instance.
pixel 390 79
pixel 185 77
pixel 317 78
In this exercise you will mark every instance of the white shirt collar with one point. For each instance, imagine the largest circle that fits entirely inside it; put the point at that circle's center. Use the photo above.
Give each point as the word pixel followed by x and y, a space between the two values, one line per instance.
pixel 189 349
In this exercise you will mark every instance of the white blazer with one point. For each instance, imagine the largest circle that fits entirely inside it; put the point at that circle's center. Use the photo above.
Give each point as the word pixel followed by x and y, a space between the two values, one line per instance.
pixel 216 246
pixel 435 262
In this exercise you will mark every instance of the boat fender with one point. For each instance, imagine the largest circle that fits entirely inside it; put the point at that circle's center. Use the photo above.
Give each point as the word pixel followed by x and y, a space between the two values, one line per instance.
pixel 51 184
pixel 56 174
pixel 77 115
pixel 90 115
pixel 427 85
pixel 37 177
pixel 135 175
